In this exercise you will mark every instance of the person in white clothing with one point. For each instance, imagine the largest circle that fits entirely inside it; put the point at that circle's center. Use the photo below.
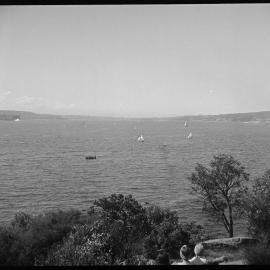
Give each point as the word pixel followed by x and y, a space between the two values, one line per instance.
pixel 198 260
pixel 185 255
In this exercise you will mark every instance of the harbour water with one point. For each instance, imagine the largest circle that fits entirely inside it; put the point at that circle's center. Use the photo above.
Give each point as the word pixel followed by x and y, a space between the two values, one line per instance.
pixel 43 163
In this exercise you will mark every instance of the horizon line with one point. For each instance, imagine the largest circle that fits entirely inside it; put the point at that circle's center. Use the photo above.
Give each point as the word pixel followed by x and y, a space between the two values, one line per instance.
pixel 132 117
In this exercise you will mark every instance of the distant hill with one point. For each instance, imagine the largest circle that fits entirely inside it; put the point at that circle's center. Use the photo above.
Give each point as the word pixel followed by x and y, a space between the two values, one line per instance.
pixel 237 117
pixel 93 118
pixel 12 115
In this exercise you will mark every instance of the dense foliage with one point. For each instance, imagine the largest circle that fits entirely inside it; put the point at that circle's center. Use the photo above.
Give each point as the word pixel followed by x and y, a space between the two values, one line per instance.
pixel 258 254
pixel 116 230
pixel 222 188
pixel 257 206
pixel 28 237
pixel 119 230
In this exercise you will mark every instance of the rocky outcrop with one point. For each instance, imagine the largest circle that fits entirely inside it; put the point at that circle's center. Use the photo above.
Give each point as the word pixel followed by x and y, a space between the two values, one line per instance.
pixel 233 242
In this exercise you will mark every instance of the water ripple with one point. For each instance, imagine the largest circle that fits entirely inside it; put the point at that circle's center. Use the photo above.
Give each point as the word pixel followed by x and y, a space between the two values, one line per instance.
pixel 43 163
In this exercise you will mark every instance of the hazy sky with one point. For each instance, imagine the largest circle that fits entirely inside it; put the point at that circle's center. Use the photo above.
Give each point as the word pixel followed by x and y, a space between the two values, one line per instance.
pixel 149 60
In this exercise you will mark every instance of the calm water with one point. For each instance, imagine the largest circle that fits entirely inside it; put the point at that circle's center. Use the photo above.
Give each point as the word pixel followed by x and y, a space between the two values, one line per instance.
pixel 43 163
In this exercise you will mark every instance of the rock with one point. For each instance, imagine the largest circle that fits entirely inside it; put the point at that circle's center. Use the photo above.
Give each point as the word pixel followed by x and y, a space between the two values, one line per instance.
pixel 233 242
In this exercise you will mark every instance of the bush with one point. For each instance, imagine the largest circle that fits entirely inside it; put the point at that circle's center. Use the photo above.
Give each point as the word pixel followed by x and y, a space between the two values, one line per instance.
pixel 125 221
pixel 156 215
pixel 258 254
pixel 117 230
pixel 82 247
pixel 196 233
pixel 8 256
pixel 168 234
pixel 134 230
pixel 126 211
pixel 29 236
pixel 258 208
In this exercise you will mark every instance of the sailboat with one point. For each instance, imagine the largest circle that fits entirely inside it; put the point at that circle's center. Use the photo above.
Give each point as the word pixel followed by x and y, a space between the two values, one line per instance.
pixel 186 124
pixel 189 136
pixel 17 119
pixel 140 138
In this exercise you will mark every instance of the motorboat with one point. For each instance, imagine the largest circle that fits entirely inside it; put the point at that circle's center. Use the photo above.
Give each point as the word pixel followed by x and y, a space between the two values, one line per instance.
pixel 91 157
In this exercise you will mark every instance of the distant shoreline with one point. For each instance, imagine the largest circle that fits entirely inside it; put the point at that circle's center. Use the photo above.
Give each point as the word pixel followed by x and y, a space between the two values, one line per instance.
pixel 251 117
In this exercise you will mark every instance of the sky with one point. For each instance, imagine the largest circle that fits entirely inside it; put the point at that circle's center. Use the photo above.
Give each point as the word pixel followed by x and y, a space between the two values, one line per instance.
pixel 135 60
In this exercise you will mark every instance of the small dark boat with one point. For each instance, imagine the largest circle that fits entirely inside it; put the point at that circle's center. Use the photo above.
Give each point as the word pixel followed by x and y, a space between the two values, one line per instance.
pixel 91 157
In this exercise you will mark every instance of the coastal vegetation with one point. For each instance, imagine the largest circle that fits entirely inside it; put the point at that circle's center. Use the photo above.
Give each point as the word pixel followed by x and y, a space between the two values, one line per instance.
pixel 257 209
pixel 120 230
pixel 257 206
pixel 222 188
pixel 115 229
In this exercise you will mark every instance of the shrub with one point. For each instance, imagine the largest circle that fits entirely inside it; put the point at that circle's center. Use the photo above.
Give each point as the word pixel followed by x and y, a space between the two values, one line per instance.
pixel 118 229
pixel 8 256
pixel 125 210
pixel 196 233
pixel 125 221
pixel 165 236
pixel 258 254
pixel 82 247
pixel 257 207
pixel 30 236
pixel 137 231
pixel 168 234
pixel 156 215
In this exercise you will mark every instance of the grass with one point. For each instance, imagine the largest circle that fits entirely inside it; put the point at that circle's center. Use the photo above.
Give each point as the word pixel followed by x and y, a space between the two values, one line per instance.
pixel 235 256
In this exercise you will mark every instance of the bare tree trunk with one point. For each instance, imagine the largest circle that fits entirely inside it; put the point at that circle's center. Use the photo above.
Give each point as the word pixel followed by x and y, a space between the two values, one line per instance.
pixel 231 221
pixel 226 223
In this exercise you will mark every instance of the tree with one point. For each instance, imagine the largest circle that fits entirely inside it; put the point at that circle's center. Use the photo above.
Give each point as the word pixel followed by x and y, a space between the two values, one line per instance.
pixel 126 211
pixel 134 230
pixel 257 205
pixel 124 220
pixel 168 234
pixel 221 187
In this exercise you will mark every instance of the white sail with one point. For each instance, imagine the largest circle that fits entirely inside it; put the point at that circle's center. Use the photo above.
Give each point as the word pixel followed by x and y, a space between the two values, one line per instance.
pixel 140 138
pixel 186 124
pixel 190 136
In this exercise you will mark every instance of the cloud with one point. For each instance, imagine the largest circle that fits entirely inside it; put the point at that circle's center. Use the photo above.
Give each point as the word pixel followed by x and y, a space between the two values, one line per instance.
pixel 33 103
pixel 29 103
pixel 4 95
pixel 25 100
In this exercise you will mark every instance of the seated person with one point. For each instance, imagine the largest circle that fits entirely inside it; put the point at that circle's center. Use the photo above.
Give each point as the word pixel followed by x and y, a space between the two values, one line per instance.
pixel 184 254
pixel 198 260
